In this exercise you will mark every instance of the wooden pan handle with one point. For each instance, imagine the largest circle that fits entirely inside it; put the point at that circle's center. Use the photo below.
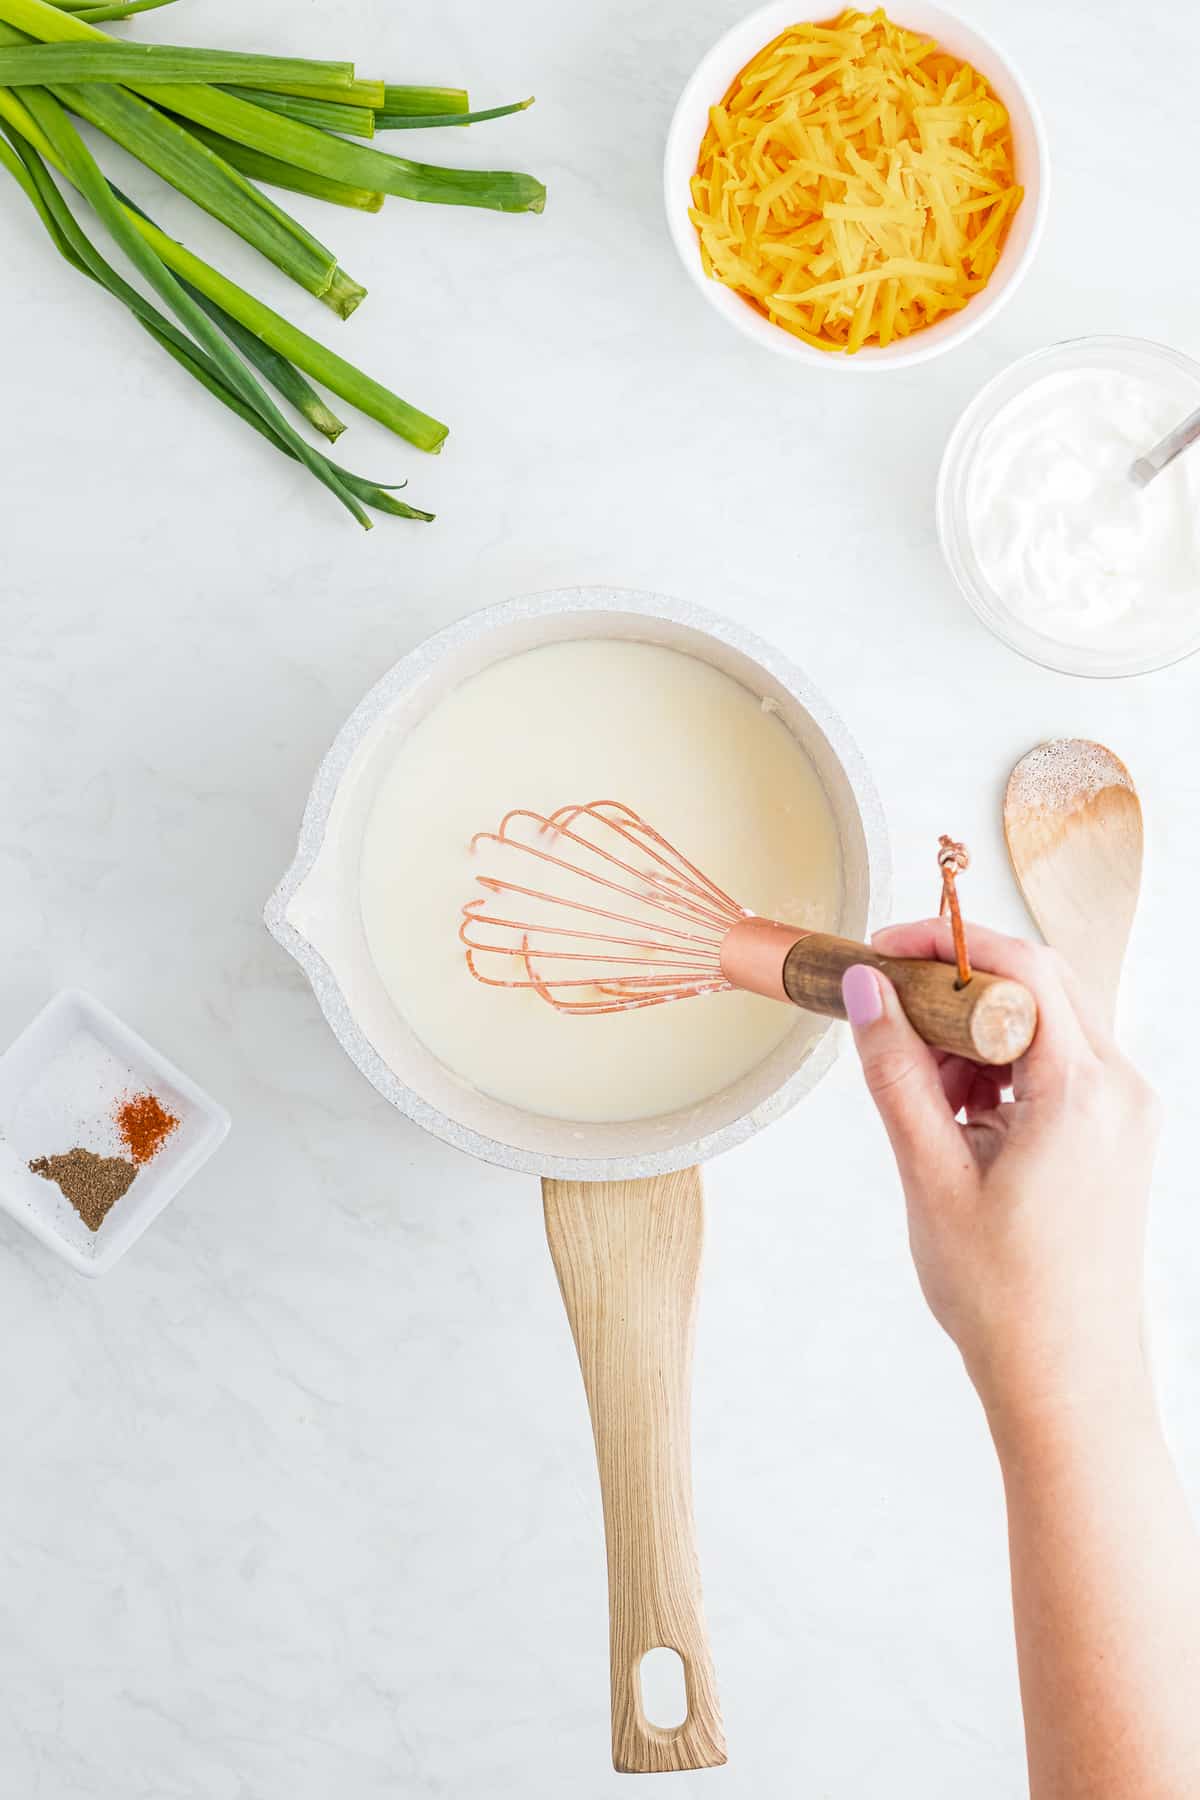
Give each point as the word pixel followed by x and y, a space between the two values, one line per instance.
pixel 627 1254
pixel 991 1020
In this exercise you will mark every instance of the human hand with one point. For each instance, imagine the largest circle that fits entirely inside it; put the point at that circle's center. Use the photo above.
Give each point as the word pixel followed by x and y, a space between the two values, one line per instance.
pixel 1026 1221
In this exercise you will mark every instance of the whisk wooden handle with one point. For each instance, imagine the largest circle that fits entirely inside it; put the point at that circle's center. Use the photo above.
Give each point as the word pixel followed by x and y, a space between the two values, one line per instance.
pixel 991 1020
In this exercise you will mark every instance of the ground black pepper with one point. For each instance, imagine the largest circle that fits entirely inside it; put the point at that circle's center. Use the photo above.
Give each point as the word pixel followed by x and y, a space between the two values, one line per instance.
pixel 93 1184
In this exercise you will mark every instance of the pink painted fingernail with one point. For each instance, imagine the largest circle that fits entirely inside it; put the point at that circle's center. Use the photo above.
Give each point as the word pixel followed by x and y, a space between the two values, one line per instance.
pixel 861 996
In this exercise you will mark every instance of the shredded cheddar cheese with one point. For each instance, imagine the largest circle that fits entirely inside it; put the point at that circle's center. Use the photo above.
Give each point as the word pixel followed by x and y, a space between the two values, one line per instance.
pixel 856 183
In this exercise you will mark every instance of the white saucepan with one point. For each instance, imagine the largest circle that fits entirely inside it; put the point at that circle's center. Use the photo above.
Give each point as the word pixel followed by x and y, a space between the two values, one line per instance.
pixel 623 1204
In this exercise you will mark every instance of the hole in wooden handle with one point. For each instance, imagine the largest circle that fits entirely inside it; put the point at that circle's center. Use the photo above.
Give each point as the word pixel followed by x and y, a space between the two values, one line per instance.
pixel 664 1688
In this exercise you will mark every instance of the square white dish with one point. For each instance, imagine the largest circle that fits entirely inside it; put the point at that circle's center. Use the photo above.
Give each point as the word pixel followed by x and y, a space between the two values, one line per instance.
pixel 59 1084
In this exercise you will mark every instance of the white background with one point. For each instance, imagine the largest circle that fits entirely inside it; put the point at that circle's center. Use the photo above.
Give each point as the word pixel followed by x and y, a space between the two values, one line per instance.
pixel 300 1499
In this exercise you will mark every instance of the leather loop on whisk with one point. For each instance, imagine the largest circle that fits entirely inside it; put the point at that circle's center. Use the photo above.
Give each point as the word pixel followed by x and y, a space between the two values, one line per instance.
pixel 952 860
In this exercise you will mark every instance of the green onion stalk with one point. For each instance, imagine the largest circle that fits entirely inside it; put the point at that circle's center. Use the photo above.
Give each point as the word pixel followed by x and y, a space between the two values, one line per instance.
pixel 327 115
pixel 215 124
pixel 46 128
pixel 78 250
pixel 321 364
pixel 97 57
pixel 356 164
pixel 283 376
pixel 359 93
pixel 207 179
pixel 201 175
pixel 289 140
pixel 84 172
pixel 421 102
pixel 120 9
pixel 402 121
pixel 283 175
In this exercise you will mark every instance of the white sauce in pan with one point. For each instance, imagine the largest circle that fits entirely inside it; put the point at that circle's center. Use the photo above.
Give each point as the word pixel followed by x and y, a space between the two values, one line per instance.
pixel 697 755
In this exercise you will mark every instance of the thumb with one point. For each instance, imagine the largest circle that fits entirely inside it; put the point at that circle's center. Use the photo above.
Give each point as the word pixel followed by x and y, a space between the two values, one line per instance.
pixel 901 1071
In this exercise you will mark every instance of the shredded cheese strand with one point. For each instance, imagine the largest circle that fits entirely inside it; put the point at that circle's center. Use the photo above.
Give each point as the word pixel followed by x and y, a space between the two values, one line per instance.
pixel 856 183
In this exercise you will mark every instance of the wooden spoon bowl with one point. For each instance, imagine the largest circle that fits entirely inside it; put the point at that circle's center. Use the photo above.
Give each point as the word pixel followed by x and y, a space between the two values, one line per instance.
pixel 1073 822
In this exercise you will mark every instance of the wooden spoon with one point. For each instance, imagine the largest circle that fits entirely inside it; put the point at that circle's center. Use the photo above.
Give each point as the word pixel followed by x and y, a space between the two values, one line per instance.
pixel 1073 822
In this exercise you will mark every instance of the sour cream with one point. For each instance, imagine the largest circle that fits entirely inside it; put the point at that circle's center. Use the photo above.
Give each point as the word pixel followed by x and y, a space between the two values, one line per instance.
pixel 1067 543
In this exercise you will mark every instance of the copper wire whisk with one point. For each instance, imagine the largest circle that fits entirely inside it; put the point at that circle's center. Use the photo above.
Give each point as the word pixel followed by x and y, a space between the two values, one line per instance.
pixel 595 911
pixel 671 919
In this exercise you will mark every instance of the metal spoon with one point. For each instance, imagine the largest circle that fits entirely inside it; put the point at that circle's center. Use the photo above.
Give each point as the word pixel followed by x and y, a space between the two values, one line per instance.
pixel 1143 471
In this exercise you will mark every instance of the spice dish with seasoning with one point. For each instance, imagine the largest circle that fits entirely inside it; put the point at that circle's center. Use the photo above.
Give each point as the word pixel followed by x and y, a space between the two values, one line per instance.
pixel 92 1183
pixel 98 1132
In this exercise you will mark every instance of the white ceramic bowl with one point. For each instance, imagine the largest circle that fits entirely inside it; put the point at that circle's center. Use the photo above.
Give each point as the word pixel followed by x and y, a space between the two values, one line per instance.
pixel 316 915
pixel 1158 646
pixel 712 81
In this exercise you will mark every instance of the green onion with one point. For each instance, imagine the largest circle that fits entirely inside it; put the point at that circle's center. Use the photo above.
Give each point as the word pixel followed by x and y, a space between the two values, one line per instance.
pixel 423 100
pixel 289 141
pixel 213 123
pixel 198 172
pixel 19 115
pixel 326 115
pixel 121 9
pixel 283 377
pixel 357 164
pixel 283 175
pixel 323 365
pixel 205 178
pixel 359 93
pixel 84 172
pixel 10 161
pixel 369 492
pixel 45 64
pixel 78 250
pixel 386 121
pixel 381 498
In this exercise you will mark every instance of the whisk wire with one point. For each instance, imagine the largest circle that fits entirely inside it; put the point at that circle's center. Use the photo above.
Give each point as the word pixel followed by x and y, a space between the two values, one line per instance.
pixel 639 832
pixel 708 904
pixel 603 970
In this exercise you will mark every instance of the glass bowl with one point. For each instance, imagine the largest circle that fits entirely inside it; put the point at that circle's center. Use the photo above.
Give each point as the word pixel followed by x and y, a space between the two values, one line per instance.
pixel 1134 356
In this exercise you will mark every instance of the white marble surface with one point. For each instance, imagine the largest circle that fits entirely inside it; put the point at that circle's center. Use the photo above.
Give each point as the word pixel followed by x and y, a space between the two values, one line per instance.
pixel 300 1499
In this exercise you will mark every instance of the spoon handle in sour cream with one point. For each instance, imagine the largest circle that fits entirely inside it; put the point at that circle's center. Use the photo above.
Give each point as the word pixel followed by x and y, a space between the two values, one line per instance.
pixel 1166 450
